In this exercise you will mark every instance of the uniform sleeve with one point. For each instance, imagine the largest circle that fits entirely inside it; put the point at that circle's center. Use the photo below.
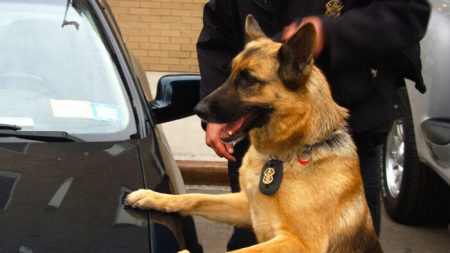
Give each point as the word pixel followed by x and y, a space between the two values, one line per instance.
pixel 217 44
pixel 366 35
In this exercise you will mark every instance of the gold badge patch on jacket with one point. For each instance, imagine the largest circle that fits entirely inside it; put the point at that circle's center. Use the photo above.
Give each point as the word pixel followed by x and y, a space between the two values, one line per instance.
pixel 333 8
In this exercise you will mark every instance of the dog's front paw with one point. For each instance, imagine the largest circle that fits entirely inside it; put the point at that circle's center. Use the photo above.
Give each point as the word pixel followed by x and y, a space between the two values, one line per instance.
pixel 184 251
pixel 148 199
pixel 141 198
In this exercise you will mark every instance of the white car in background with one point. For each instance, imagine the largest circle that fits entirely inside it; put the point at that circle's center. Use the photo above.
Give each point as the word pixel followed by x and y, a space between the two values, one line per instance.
pixel 416 168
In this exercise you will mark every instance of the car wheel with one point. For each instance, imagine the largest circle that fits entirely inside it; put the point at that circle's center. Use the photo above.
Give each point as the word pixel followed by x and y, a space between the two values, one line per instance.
pixel 412 193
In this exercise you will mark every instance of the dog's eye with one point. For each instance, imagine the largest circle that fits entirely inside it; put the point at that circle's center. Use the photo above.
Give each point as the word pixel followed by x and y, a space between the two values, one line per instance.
pixel 245 78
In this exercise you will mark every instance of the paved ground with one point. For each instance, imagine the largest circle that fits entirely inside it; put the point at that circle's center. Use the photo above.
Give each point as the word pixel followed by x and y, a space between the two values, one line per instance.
pixel 394 238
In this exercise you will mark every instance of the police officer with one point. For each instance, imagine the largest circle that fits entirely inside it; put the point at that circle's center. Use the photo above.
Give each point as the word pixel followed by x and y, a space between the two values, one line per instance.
pixel 359 44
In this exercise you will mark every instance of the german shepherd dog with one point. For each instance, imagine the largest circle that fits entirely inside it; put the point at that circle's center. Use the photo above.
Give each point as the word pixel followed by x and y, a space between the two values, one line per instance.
pixel 301 188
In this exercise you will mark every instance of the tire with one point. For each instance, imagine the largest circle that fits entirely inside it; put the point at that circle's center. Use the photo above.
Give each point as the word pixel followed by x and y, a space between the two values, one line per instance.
pixel 412 193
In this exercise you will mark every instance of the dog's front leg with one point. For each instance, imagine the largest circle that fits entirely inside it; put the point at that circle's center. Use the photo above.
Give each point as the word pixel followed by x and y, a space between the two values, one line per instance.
pixel 229 208
pixel 281 243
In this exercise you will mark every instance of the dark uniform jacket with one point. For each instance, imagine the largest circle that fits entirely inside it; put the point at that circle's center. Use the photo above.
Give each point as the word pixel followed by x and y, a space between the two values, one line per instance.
pixel 362 45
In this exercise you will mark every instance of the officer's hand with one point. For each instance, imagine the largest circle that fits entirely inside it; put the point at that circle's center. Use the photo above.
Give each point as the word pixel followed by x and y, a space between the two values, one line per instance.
pixel 316 21
pixel 213 133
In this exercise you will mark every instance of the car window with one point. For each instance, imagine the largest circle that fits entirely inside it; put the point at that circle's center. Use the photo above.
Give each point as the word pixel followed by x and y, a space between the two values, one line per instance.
pixel 57 73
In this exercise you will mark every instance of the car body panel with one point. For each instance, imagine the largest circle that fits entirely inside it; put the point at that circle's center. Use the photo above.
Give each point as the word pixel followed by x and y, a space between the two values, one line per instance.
pixel 69 197
pixel 62 198
pixel 435 103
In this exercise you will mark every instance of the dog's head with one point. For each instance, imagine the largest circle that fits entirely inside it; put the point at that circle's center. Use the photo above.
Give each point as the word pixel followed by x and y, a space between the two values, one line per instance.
pixel 268 87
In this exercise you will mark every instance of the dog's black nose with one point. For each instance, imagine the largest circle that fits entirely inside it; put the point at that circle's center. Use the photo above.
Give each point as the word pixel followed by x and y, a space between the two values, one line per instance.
pixel 201 109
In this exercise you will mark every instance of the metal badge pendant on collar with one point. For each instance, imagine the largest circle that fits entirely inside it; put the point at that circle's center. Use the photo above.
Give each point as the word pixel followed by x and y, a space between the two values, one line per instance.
pixel 333 8
pixel 271 175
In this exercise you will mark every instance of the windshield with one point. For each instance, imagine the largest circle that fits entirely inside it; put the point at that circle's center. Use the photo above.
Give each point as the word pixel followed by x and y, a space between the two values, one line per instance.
pixel 57 73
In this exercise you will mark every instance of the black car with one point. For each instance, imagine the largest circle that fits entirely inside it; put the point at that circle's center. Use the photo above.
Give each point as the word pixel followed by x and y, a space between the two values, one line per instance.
pixel 78 133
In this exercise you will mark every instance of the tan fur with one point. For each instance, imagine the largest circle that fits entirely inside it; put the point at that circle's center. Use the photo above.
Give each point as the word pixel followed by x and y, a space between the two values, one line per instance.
pixel 319 207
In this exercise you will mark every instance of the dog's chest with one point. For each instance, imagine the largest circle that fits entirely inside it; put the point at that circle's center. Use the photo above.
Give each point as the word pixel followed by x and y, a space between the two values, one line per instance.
pixel 270 213
pixel 249 178
pixel 260 209
pixel 264 209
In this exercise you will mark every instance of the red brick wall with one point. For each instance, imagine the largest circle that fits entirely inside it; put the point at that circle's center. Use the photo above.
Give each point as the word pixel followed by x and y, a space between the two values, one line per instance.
pixel 161 33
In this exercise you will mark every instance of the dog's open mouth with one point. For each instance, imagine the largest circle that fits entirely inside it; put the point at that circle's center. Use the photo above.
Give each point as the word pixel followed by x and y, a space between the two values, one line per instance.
pixel 235 131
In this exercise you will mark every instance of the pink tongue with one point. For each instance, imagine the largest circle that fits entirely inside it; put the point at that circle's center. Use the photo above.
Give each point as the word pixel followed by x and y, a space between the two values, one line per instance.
pixel 234 127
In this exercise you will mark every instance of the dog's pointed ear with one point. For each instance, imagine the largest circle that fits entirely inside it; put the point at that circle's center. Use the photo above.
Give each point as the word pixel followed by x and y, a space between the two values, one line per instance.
pixel 296 57
pixel 252 29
